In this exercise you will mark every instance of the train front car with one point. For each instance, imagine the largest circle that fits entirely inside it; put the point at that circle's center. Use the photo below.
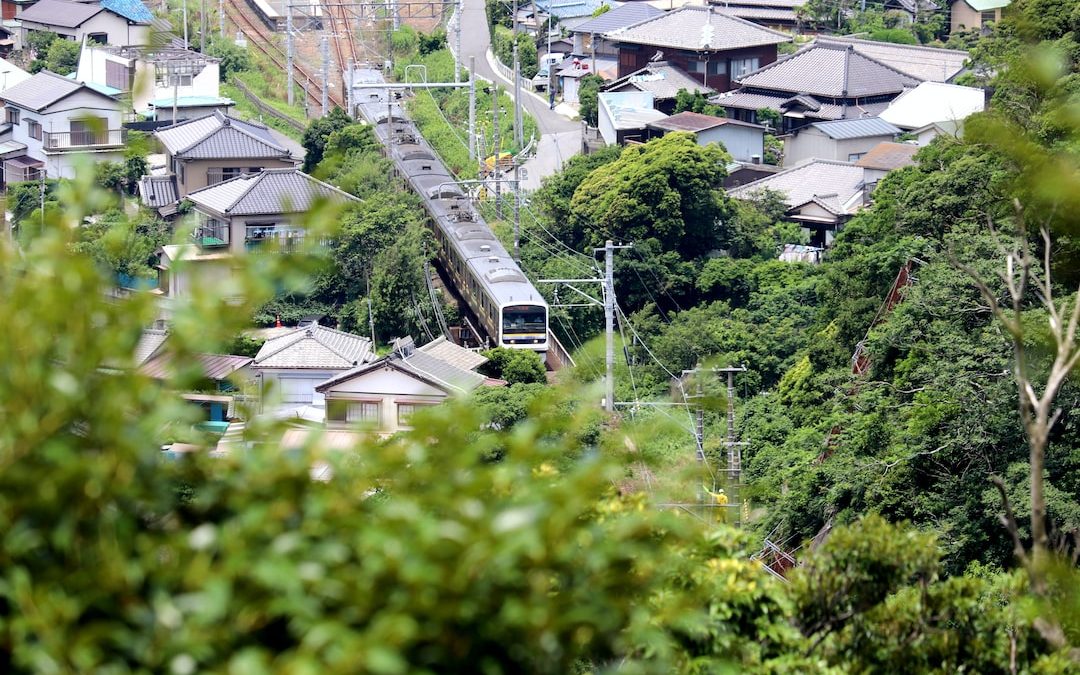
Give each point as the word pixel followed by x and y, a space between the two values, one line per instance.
pixel 524 325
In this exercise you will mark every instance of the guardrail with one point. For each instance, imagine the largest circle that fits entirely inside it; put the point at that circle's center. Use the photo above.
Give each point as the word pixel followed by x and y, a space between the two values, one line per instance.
pixel 508 73
pixel 265 108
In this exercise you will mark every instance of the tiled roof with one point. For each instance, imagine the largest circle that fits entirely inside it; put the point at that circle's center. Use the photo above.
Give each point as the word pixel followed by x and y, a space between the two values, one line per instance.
pixel 694 122
pixel 760 13
pixel 158 191
pixel 267 192
pixel 662 80
pixel 925 63
pixel 425 367
pixel 830 70
pixel 314 347
pixel 42 90
pixel 745 99
pixel 132 10
pixel 149 343
pixel 620 17
pixel 213 366
pixel 219 136
pixel 856 128
pixel 61 13
pixel 698 29
pixel 934 102
pixel 888 156
pixel 455 355
pixel 832 185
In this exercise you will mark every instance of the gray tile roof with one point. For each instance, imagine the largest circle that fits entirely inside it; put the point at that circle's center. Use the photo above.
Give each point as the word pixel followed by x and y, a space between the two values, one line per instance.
pixel 833 185
pixel 746 99
pixel 158 191
pixel 62 13
pixel 213 366
pixel 698 29
pixel 455 355
pixel 662 79
pixel 149 343
pixel 830 70
pixel 761 13
pixel 314 347
pixel 44 89
pixel 857 128
pixel 620 17
pixel 423 366
pixel 271 191
pixel 218 136
pixel 925 63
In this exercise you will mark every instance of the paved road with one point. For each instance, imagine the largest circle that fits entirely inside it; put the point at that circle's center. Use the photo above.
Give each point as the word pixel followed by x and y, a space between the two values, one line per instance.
pixel 475 41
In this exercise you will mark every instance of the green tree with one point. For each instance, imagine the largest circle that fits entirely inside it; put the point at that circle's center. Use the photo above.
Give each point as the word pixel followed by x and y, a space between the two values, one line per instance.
pixel 233 59
pixel 516 366
pixel 317 133
pixel 696 102
pixel 62 57
pixel 588 91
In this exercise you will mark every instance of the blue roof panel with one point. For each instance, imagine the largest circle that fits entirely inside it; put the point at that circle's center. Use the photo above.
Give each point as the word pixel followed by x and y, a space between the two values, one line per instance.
pixel 132 10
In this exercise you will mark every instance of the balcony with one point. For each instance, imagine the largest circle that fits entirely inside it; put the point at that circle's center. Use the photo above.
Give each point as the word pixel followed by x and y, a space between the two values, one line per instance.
pixel 212 234
pixel 75 141
pixel 264 240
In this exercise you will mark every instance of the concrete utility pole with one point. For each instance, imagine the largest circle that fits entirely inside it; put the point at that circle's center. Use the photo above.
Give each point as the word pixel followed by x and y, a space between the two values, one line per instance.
pixel 289 51
pixel 519 133
pixel 221 18
pixel 202 27
pixel 473 151
pixel 734 447
pixel 186 46
pixel 457 45
pixel 325 49
pixel 607 285
pixel 349 93
pixel 517 212
pixel 513 22
pixel 495 142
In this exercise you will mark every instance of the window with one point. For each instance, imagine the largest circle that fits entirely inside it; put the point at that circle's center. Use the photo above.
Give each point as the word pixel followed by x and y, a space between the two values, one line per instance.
pixel 352 411
pixel 405 412
pixel 855 156
pixel 98 38
pixel 695 67
pixel 718 67
pixel 989 16
pixel 34 129
pixel 741 67
pixel 12 116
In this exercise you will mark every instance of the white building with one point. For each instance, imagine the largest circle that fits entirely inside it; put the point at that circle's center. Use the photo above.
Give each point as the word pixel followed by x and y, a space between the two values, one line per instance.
pixel 625 115
pixel 122 23
pixel 745 142
pixel 932 102
pixel 840 140
pixel 154 76
pixel 60 122
pixel 290 366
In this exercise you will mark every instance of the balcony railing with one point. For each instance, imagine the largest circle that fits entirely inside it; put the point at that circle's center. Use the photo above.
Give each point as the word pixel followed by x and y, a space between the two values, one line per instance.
pixel 66 141
pixel 286 241
pixel 212 234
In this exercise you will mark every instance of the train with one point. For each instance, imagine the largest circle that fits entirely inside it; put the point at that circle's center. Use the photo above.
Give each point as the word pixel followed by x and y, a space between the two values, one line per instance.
pixel 504 302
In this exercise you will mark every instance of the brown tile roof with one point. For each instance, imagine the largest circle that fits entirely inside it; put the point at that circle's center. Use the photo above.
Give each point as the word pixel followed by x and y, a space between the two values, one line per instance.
pixel 694 122
pixel 213 366
pixel 888 156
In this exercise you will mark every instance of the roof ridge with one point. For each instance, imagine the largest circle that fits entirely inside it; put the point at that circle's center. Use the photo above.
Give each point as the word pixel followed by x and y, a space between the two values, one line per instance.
pixel 283 347
pixel 249 134
pixel 852 40
pixel 314 336
pixel 216 115
pixel 405 359
pixel 255 180
pixel 871 59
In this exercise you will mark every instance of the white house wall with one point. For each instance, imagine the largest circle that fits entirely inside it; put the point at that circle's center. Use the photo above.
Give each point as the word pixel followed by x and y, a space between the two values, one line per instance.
pixel 813 144
pixel 742 143
pixel 389 387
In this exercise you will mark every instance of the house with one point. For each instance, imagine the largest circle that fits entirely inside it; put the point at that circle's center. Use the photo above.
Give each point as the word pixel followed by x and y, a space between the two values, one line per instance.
pixel 624 116
pixel 929 64
pixel 823 81
pixel 840 140
pixel 151 344
pixel 741 173
pixel 569 13
pixel 206 151
pixel 821 195
pixel 56 120
pixel 123 23
pixel 11 75
pixel 885 157
pixel 742 140
pixel 290 366
pixel 588 37
pixel 779 14
pixel 568 77
pixel 263 210
pixel 384 394
pixel 909 11
pixel 932 102
pixel 714 48
pixel 975 14
pixel 221 375
pixel 154 76
pixel 664 81
pixel 924 135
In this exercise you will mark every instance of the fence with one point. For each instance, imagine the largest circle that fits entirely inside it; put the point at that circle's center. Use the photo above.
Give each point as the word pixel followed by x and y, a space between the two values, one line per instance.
pixel 266 109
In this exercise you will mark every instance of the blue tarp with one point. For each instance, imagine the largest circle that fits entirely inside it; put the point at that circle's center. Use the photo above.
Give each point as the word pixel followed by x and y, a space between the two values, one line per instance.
pixel 132 10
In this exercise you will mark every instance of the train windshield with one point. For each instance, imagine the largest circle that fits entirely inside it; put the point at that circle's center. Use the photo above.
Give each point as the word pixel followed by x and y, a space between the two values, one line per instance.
pixel 524 319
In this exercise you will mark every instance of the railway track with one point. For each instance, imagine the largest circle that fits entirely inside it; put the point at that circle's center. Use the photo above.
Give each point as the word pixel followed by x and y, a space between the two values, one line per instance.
pixel 242 17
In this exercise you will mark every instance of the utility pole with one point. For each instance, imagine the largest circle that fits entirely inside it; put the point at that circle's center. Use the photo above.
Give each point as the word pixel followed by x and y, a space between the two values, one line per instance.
pixel 472 106
pixel 517 212
pixel 513 22
pixel 221 18
pixel 457 46
pixel 495 142
pixel 607 285
pixel 734 447
pixel 349 93
pixel 699 417
pixel 202 27
pixel 289 51
pixel 186 46
pixel 519 133
pixel 325 49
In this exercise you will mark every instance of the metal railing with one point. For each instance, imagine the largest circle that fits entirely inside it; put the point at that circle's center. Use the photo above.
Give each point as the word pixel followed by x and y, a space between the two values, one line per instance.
pixel 212 234
pixel 286 241
pixel 81 140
